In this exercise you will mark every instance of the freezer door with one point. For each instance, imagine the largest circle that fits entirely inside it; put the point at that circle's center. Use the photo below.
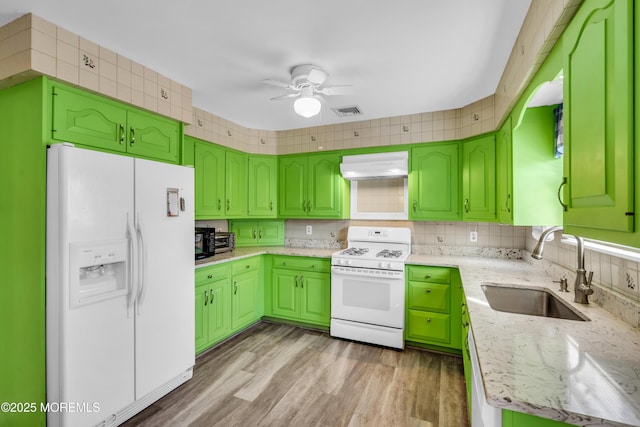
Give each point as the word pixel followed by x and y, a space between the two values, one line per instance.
pixel 165 311
pixel 89 333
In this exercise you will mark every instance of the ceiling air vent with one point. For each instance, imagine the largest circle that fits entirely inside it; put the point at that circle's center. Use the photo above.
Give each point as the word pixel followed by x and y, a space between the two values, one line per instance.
pixel 350 111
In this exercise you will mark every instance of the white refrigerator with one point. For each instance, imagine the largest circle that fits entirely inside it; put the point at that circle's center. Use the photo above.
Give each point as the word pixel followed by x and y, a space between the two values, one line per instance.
pixel 119 284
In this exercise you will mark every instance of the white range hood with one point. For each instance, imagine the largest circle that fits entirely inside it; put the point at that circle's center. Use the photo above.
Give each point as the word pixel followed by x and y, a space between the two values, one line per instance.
pixel 372 166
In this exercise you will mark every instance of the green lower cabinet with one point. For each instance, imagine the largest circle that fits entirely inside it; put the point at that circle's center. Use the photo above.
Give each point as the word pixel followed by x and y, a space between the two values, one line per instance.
pixel 301 289
pixel 245 299
pixel 433 316
pixel 258 233
pixel 246 303
pixel 213 305
pixel 426 326
pixel 213 312
pixel 466 353
pixel 228 298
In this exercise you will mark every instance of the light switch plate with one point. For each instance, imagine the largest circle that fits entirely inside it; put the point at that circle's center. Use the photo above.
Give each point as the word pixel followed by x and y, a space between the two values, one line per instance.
pixel 473 236
pixel 309 230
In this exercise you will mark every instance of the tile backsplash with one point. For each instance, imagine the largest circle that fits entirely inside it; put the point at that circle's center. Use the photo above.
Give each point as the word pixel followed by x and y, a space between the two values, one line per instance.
pixel 427 237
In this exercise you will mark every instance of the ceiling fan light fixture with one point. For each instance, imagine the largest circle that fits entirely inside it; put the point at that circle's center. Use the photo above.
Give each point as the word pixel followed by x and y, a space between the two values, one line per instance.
pixel 307 106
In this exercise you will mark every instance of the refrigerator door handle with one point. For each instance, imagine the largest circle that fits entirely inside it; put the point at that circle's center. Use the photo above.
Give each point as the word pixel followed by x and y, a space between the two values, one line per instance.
pixel 133 250
pixel 142 265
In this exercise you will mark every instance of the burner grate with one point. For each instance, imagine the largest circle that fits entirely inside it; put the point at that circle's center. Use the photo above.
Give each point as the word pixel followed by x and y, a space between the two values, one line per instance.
pixel 386 253
pixel 355 251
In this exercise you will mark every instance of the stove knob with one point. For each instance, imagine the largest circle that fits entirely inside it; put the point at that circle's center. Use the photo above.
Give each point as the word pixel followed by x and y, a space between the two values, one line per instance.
pixel 348 262
pixel 389 265
pixel 340 261
pixel 381 264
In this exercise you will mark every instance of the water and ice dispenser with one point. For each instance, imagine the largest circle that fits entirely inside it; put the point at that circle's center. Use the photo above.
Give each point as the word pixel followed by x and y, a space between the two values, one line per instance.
pixel 99 271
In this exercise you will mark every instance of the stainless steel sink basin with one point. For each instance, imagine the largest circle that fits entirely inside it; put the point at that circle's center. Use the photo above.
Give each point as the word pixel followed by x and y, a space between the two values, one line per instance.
pixel 529 300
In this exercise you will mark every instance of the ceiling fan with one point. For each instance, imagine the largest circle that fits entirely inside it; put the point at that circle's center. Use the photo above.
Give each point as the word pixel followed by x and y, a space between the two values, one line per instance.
pixel 306 80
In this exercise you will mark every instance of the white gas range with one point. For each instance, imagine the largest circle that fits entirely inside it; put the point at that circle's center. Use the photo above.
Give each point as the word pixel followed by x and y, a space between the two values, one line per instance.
pixel 367 286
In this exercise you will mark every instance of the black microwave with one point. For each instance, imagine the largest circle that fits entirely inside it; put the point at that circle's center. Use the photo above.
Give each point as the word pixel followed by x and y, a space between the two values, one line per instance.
pixel 209 242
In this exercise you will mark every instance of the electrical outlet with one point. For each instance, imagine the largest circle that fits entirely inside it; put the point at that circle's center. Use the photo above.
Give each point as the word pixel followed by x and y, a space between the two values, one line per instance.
pixel 473 236
pixel 309 230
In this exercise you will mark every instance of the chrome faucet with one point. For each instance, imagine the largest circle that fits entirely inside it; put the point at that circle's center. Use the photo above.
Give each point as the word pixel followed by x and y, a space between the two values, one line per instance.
pixel 582 285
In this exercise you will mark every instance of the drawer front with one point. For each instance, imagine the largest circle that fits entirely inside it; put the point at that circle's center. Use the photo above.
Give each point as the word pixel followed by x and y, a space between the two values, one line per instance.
pixel 429 326
pixel 209 274
pixel 429 274
pixel 245 265
pixel 430 296
pixel 302 263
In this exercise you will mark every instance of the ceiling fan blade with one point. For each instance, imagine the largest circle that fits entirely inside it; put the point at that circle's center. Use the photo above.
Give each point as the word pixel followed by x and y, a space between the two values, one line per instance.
pixel 336 90
pixel 281 97
pixel 279 84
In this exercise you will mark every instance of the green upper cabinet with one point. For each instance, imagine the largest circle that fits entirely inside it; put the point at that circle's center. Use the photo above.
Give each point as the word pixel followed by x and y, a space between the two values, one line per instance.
pixel 292 186
pixel 479 179
pixel 209 180
pixel 528 173
pixel 263 187
pixel 434 182
pixel 236 184
pixel 598 121
pixel 153 136
pixel 220 181
pixel 311 186
pixel 504 174
pixel 88 120
pixel 92 121
pixel 258 233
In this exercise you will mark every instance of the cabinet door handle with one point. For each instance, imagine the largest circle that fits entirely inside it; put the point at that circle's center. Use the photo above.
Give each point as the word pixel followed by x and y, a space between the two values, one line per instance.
pixel 210 276
pixel 247 266
pixel 302 282
pixel 270 206
pixel 235 287
pixel 304 205
pixel 296 280
pixel 219 204
pixel 309 206
pixel 506 203
pixel 133 136
pixel 206 297
pixel 254 234
pixel 260 234
pixel 415 205
pixel 562 184
pixel 428 320
pixel 121 134
pixel 212 296
pixel 466 205
pixel 428 290
pixel 228 204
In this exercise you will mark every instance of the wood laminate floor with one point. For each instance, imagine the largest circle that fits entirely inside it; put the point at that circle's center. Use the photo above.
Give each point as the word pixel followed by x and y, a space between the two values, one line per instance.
pixel 281 375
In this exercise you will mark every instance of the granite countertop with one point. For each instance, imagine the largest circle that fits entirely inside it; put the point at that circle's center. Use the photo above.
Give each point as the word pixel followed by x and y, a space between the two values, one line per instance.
pixel 582 373
pixel 239 253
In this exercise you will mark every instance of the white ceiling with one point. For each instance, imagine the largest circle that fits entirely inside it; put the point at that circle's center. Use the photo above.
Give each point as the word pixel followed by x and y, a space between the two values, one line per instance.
pixel 402 57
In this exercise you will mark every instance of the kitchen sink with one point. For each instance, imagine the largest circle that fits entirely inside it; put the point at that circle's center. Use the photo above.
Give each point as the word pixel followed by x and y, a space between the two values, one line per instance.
pixel 533 301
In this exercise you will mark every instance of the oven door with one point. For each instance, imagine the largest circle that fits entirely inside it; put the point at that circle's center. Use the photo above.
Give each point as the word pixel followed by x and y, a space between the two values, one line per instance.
pixel 368 296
